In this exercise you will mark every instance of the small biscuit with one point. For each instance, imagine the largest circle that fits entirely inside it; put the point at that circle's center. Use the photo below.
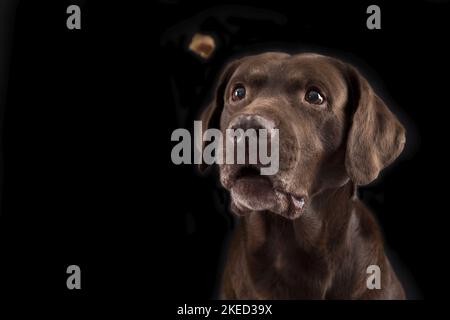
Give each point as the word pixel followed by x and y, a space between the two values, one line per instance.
pixel 203 45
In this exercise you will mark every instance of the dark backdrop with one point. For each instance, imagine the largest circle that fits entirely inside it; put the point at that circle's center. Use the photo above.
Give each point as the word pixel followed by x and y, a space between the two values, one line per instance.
pixel 87 177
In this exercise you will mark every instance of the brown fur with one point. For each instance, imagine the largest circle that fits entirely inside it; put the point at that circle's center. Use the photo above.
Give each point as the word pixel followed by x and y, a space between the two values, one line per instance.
pixel 323 251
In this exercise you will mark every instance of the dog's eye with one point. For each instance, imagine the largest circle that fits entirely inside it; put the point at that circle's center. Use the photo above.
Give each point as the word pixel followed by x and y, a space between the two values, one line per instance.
pixel 238 93
pixel 313 96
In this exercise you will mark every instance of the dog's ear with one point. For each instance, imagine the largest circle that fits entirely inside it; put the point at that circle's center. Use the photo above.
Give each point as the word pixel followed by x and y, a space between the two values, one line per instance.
pixel 375 138
pixel 210 117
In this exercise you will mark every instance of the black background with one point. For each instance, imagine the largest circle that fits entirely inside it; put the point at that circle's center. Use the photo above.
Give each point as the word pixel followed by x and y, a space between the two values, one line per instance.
pixel 86 125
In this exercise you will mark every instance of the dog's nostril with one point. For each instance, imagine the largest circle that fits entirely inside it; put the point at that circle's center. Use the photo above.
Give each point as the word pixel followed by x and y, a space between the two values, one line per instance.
pixel 256 122
pixel 246 124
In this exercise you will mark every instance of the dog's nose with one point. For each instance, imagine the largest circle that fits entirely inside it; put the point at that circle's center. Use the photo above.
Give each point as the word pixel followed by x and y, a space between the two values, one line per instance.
pixel 255 122
pixel 251 125
pixel 252 132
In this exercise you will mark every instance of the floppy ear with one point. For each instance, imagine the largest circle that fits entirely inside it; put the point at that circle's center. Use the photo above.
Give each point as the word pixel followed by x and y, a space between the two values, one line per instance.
pixel 376 137
pixel 210 117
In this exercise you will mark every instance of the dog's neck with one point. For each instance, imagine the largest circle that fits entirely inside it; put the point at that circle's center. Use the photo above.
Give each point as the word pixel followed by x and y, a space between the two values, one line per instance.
pixel 322 250
pixel 327 219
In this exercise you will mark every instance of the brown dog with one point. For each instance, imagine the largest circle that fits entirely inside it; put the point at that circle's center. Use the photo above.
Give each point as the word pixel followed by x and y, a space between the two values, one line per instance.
pixel 303 233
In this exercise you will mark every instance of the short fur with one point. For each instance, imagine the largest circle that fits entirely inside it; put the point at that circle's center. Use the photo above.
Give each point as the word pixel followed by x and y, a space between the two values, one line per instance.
pixel 323 251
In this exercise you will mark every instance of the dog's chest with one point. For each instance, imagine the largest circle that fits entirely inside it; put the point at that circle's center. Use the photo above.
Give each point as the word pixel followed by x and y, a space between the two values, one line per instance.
pixel 285 273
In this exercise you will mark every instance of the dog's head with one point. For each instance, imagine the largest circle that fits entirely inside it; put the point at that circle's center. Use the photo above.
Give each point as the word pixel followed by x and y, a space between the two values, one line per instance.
pixel 332 128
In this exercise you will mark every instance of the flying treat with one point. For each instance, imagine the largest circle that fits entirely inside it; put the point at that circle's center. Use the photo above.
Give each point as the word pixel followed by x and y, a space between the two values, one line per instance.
pixel 203 45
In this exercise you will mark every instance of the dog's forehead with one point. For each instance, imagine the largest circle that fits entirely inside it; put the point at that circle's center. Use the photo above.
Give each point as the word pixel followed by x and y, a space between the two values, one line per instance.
pixel 312 62
pixel 305 65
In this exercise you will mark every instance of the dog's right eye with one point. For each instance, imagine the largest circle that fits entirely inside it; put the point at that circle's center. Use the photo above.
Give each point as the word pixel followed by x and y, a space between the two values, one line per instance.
pixel 238 93
pixel 314 96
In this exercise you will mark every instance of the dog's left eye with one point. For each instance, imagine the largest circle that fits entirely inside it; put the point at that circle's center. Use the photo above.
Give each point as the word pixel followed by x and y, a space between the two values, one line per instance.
pixel 313 96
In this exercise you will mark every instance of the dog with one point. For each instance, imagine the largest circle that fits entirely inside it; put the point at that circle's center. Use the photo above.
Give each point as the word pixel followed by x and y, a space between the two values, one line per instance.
pixel 302 233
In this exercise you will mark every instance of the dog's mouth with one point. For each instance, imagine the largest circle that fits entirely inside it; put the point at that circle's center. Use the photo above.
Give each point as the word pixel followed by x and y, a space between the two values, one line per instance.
pixel 249 171
pixel 251 191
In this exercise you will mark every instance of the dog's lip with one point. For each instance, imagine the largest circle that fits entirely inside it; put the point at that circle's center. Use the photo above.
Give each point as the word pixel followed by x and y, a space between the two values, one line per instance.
pixel 254 171
pixel 298 202
pixel 248 171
